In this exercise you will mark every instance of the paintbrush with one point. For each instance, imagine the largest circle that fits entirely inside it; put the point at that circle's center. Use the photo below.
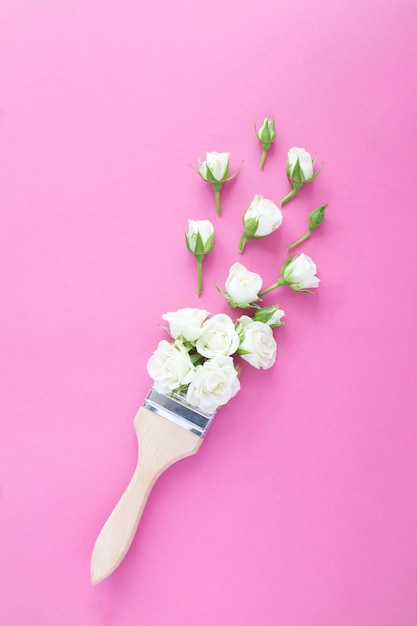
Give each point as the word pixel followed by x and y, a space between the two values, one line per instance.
pixel 168 430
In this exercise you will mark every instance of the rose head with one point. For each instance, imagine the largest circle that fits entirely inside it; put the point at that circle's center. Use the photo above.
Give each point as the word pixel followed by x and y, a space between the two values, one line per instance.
pixel 299 273
pixel 200 236
pixel 260 219
pixel 300 170
pixel 186 324
pixel 300 165
pixel 213 384
pixel 170 366
pixel 242 286
pixel 215 168
pixel 218 337
pixel 257 346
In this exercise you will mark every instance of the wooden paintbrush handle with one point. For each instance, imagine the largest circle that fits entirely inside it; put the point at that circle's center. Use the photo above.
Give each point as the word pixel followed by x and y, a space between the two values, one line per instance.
pixel 161 443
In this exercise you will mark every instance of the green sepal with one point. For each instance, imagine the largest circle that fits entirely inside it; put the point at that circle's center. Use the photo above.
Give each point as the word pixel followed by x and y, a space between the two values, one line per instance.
pixel 297 173
pixel 209 244
pixel 242 351
pixel 209 176
pixel 265 314
pixel 251 226
pixel 199 245
pixel 225 180
pixel 231 302
pixel 196 358
pixel 316 173
pixel 236 305
pixel 285 265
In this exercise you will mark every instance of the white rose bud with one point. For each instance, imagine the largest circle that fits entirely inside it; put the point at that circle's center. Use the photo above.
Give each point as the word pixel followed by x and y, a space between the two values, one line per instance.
pixel 242 286
pixel 170 366
pixel 299 273
pixel 270 315
pixel 266 135
pixel 215 170
pixel 186 324
pixel 213 384
pixel 260 219
pixel 216 167
pixel 300 170
pixel 200 241
pixel 258 346
pixel 218 337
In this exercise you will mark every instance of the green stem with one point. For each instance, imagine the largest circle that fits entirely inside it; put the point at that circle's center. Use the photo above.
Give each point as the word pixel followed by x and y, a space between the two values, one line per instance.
pixel 303 238
pixel 242 244
pixel 217 195
pixel 294 190
pixel 263 157
pixel 200 273
pixel 279 283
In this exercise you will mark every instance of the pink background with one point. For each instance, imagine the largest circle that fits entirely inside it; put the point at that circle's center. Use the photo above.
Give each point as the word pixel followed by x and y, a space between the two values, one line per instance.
pixel 300 508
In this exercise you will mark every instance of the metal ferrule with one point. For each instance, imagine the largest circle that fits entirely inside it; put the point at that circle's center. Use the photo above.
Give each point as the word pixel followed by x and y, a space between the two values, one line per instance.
pixel 178 411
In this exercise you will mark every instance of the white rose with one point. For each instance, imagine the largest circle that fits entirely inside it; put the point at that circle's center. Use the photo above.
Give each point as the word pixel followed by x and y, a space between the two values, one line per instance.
pixel 242 286
pixel 170 366
pixel 205 229
pixel 218 165
pixel 218 337
pixel 266 215
pixel 186 323
pixel 213 384
pixel 306 164
pixel 300 273
pixel 258 346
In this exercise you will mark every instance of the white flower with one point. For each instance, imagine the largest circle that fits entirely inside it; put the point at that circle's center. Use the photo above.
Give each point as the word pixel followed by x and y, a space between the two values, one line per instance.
pixel 218 337
pixel 200 236
pixel 300 170
pixel 305 171
pixel 258 346
pixel 299 273
pixel 215 170
pixel 242 286
pixel 200 241
pixel 216 166
pixel 170 366
pixel 261 217
pixel 213 384
pixel 186 323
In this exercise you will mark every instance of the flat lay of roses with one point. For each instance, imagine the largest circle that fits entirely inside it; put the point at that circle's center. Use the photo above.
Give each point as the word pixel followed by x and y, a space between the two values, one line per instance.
pixel 199 363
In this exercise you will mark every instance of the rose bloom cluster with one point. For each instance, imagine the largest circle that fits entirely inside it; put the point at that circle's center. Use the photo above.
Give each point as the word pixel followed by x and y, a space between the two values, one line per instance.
pixel 198 362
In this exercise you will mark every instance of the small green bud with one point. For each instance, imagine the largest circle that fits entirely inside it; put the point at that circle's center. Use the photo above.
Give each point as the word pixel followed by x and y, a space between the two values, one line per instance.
pixel 270 315
pixel 316 217
pixel 267 133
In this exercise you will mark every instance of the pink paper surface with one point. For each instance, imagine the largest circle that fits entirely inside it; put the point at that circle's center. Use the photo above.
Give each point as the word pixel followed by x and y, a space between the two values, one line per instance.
pixel 300 508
